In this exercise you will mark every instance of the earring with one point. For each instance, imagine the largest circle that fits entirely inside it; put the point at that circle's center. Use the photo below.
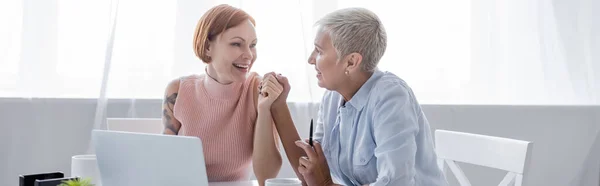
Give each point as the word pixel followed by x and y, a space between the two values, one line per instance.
pixel 347 72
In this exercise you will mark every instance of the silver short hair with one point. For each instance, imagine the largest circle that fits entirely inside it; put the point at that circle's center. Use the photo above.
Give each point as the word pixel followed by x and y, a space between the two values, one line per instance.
pixel 356 30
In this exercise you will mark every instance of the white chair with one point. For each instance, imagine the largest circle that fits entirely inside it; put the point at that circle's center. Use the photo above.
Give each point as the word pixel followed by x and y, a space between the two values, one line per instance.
pixel 141 125
pixel 501 153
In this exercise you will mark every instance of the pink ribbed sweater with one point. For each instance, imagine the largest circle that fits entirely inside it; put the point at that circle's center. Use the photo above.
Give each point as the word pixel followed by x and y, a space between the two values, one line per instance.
pixel 223 117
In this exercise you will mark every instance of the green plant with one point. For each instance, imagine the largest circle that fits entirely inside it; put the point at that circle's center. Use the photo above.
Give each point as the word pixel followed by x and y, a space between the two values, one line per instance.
pixel 77 182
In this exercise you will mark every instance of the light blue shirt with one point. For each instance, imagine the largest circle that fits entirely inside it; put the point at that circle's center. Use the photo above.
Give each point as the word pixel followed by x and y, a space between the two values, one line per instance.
pixel 379 137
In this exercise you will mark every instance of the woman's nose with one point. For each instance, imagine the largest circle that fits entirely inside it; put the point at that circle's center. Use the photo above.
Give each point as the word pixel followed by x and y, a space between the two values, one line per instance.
pixel 311 58
pixel 248 54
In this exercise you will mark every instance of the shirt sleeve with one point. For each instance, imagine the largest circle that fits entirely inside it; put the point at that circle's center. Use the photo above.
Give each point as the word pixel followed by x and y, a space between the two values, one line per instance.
pixel 395 126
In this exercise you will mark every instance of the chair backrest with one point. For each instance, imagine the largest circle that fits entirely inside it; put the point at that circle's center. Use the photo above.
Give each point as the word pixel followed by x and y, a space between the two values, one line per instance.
pixel 141 125
pixel 501 153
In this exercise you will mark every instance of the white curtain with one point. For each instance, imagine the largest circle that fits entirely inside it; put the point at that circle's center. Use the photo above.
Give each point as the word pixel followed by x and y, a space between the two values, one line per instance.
pixel 460 52
pixel 535 52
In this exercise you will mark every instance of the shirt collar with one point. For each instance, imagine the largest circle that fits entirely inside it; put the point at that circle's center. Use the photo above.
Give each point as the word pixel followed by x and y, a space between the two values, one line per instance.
pixel 360 98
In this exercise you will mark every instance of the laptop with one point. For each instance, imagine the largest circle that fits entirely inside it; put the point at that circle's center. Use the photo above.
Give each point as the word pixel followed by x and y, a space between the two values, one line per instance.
pixel 128 158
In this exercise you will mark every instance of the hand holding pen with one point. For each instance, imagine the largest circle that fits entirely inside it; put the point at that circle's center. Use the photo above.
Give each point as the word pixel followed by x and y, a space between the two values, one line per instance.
pixel 313 167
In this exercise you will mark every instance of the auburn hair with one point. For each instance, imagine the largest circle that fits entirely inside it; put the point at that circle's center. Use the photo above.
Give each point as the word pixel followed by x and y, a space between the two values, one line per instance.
pixel 214 22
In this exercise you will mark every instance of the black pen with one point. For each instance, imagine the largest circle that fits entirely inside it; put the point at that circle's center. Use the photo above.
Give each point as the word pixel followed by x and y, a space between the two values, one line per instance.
pixel 310 137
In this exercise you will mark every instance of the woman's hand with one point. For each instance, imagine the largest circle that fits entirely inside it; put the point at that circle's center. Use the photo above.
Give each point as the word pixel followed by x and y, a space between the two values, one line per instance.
pixel 283 81
pixel 314 168
pixel 268 90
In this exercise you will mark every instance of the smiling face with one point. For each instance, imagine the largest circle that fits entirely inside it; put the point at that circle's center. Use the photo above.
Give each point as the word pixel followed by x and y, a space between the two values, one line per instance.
pixel 330 71
pixel 232 53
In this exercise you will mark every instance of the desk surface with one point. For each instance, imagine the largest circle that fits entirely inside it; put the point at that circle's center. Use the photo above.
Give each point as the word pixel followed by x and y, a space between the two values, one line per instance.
pixel 235 183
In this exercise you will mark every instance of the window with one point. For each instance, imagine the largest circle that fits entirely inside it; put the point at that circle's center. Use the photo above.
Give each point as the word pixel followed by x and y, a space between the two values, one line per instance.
pixel 449 52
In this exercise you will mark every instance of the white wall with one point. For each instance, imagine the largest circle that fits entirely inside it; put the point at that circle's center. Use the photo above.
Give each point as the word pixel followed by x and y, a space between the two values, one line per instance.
pixel 41 135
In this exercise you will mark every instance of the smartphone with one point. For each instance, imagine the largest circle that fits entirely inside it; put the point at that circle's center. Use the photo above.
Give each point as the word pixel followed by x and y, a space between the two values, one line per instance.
pixel 29 180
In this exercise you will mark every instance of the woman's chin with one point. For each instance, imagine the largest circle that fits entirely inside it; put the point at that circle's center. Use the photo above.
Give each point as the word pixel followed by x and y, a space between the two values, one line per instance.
pixel 238 74
pixel 321 84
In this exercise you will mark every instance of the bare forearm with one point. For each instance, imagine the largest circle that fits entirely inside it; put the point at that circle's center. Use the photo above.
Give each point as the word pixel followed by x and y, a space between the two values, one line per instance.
pixel 265 157
pixel 288 134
